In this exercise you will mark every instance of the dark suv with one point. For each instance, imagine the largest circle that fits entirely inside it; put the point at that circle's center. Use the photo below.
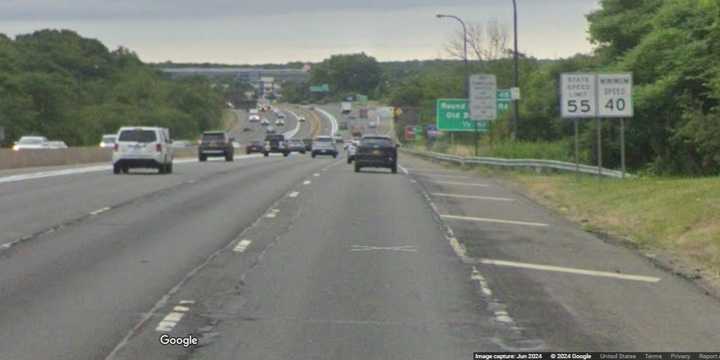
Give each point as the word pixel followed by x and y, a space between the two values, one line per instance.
pixel 275 143
pixel 217 144
pixel 376 151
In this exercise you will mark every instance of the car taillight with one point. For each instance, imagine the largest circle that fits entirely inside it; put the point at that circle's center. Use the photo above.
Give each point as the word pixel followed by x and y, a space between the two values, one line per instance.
pixel 116 147
pixel 158 147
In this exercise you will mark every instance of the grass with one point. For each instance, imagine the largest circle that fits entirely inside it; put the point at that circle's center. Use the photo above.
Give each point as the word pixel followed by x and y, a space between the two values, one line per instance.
pixel 229 119
pixel 557 150
pixel 678 215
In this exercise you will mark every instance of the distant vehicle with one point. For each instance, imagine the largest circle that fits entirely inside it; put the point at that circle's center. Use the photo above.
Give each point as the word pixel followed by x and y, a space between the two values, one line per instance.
pixel 280 114
pixel 275 143
pixel 324 145
pixel 143 147
pixel 254 118
pixel 270 130
pixel 346 107
pixel 264 122
pixel 372 125
pixel 254 147
pixel 376 151
pixel 308 144
pixel 279 122
pixel 363 113
pixel 301 119
pixel 57 145
pixel 107 141
pixel 31 143
pixel 339 140
pixel 351 149
pixel 295 145
pixel 352 117
pixel 216 144
pixel 247 129
pixel 356 132
pixel 182 144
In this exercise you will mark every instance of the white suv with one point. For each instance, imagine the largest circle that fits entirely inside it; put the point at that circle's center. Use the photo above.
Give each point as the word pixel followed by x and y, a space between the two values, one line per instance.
pixel 143 147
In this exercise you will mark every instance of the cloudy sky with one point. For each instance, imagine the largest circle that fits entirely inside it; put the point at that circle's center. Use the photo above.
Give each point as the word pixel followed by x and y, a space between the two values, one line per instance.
pixel 262 31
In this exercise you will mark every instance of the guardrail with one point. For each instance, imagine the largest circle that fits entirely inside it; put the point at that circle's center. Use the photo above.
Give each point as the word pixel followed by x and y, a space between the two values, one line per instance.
pixel 535 164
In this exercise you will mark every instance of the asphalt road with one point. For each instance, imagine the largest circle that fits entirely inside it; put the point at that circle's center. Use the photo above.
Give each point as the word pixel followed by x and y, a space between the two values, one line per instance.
pixel 300 258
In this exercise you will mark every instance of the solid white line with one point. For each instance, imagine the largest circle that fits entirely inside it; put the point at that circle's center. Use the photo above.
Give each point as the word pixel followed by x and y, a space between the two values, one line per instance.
pixel 242 246
pixel 100 211
pixel 294 194
pixel 461 196
pixel 569 270
pixel 499 221
pixel 332 119
pixel 458 183
pixel 446 176
pixel 290 134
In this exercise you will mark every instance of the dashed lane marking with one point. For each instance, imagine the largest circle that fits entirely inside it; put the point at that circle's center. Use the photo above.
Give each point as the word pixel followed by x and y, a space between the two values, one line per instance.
pixel 272 214
pixel 498 221
pixel 406 248
pixel 294 194
pixel 242 246
pixel 316 174
pixel 100 211
pixel 475 197
pixel 306 182
pixel 173 318
pixel 650 279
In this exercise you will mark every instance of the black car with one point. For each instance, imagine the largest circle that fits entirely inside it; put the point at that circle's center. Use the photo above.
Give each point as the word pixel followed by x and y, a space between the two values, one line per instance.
pixel 275 143
pixel 216 144
pixel 255 147
pixel 376 151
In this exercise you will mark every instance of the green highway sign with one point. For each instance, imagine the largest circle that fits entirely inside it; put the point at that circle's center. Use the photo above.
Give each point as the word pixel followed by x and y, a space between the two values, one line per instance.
pixel 454 115
pixel 320 88
pixel 504 99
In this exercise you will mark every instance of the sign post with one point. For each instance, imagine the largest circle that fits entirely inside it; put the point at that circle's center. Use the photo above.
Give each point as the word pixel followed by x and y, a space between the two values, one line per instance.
pixel 577 101
pixel 483 100
pixel 614 92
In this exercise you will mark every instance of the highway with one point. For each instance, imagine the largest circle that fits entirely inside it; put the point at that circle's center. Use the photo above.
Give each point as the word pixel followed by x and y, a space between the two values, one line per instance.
pixel 300 258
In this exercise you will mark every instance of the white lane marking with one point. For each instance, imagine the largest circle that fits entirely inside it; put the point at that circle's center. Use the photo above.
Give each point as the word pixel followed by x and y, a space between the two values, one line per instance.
pixel 294 194
pixel 406 248
pixel 306 182
pixel 273 213
pixel 404 170
pixel 476 276
pixel 461 196
pixel 190 302
pixel 181 308
pixel 290 134
pixel 432 170
pixel 446 176
pixel 458 183
pixel 316 174
pixel 499 221
pixel 100 211
pixel 169 322
pixel 242 246
pixel 88 169
pixel 607 274
pixel 333 121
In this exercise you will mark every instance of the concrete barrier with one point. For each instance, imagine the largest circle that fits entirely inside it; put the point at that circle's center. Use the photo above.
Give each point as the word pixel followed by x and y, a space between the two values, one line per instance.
pixel 10 159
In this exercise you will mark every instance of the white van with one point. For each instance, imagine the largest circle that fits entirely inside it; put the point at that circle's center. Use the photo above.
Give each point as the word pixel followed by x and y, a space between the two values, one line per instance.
pixel 143 147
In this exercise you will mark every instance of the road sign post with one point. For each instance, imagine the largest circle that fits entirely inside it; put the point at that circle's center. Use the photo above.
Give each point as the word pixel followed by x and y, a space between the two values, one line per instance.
pixel 483 101
pixel 614 93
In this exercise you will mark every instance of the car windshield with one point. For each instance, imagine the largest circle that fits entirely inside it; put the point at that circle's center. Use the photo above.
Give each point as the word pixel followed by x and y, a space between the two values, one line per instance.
pixel 376 141
pixel 213 137
pixel 142 136
pixel 31 141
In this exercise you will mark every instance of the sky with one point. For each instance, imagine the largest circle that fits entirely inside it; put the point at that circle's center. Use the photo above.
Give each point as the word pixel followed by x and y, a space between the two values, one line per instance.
pixel 278 31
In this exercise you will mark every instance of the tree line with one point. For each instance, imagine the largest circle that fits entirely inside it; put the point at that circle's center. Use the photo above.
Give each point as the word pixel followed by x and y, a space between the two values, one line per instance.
pixel 58 84
pixel 671 46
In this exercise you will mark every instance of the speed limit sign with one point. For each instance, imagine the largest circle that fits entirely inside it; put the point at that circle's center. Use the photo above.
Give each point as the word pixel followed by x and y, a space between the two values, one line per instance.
pixel 578 97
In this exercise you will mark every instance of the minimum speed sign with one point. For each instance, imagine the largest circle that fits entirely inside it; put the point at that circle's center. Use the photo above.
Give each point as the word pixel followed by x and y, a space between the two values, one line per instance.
pixel 615 95
pixel 578 95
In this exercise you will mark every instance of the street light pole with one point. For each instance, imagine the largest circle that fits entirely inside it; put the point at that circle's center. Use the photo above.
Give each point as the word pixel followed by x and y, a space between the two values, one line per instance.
pixel 516 110
pixel 467 68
